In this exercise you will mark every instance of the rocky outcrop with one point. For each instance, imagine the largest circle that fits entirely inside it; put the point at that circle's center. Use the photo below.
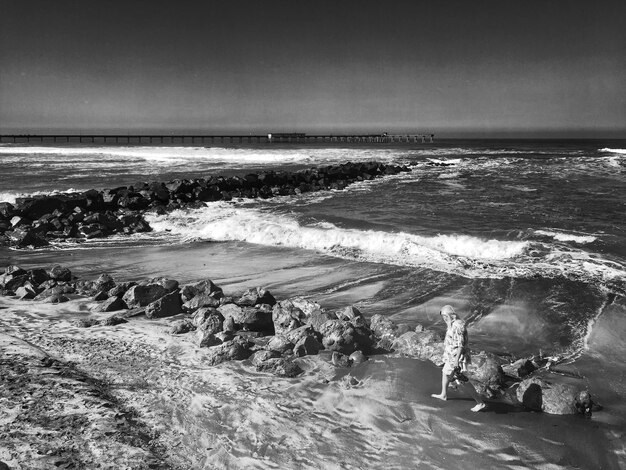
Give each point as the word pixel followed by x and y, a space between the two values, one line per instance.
pixel 166 306
pixel 342 336
pixel 236 349
pixel 538 394
pixel 486 373
pixel 425 345
pixel 140 296
pixel 34 221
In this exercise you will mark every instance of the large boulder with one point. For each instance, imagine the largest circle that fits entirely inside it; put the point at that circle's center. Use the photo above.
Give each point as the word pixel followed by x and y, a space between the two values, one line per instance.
pixel 307 346
pixel 60 273
pixel 208 319
pixel 280 344
pixel 120 289
pixel 199 301
pixel 425 345
pixel 206 339
pixel 236 349
pixel 519 369
pixel 286 317
pixel 383 327
pixel 344 337
pixel 257 296
pixel 263 355
pixel 170 285
pixel 207 287
pixel 35 207
pixel 181 327
pixel 280 367
pixel 166 306
pixel 111 305
pixel 249 318
pixel 22 237
pixel 308 307
pixel 140 296
pixel 104 282
pixel 317 319
pixel 539 394
pixel 353 315
pixel 486 372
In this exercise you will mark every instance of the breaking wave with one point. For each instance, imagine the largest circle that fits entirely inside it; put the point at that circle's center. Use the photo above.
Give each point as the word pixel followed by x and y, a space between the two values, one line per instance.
pixel 455 253
pixel 567 237
pixel 610 150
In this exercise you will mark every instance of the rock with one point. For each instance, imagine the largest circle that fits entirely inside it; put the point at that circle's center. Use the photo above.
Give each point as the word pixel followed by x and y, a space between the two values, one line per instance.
pixel 170 285
pixel 57 299
pixel 85 322
pixel 100 296
pixel 383 327
pixel 60 273
pixel 22 237
pixel 229 325
pixel 189 291
pixel 14 270
pixel 166 306
pixel 280 344
pixel 257 296
pixel 182 326
pixel 204 339
pixel 200 301
pixel 280 367
pixel 286 317
pixel 51 291
pixel 344 337
pixel 262 356
pixel 35 207
pixel 6 210
pixel 112 321
pixel 340 360
pixel 519 369
pixel 38 276
pixel 208 318
pixel 307 346
pixel 424 345
pixel 404 328
pixel 236 349
pixel 111 304
pixel 357 357
pixel 540 395
pixel 120 289
pixel 13 282
pixel 351 314
pixel 104 282
pixel 225 336
pixel 317 319
pixel 140 296
pixel 301 332
pixel 485 369
pixel 25 293
pixel 308 307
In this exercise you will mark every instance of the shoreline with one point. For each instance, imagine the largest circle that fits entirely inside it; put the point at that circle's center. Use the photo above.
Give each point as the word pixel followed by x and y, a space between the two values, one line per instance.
pixel 146 365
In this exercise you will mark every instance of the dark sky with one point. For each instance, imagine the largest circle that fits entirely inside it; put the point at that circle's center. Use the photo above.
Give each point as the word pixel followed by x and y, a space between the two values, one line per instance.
pixel 500 67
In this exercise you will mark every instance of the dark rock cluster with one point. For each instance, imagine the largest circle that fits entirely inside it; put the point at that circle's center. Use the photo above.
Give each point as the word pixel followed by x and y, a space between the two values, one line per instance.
pixel 34 221
pixel 273 333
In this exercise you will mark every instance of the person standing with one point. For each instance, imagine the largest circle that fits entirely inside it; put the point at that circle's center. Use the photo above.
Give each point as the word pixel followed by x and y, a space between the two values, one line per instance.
pixel 456 357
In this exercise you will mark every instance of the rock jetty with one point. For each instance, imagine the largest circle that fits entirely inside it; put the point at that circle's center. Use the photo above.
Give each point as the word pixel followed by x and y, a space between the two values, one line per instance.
pixel 35 221
pixel 272 334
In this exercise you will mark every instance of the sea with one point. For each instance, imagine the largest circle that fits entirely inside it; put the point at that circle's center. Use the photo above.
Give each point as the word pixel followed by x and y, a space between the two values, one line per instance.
pixel 525 238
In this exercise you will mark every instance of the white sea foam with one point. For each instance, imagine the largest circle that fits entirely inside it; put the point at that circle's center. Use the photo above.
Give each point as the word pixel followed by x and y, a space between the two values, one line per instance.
pixel 223 222
pixel 567 237
pixel 12 196
pixel 610 150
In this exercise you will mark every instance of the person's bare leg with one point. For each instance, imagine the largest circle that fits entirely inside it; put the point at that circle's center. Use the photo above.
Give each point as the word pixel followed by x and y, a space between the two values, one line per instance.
pixel 480 404
pixel 445 381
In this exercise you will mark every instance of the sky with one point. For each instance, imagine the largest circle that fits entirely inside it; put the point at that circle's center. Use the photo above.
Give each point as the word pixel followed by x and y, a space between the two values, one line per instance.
pixel 454 68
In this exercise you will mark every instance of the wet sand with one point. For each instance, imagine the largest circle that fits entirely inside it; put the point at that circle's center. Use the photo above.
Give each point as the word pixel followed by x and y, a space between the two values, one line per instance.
pixel 231 416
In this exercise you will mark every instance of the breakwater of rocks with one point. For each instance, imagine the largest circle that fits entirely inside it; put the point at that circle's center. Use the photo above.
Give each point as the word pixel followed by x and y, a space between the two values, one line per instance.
pixel 272 334
pixel 35 221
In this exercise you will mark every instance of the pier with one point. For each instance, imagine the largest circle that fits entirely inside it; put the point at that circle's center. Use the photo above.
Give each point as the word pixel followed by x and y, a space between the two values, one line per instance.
pixel 271 138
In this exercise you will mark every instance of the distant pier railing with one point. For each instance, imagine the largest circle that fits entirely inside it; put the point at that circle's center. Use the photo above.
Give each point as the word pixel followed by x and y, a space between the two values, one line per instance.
pixel 279 138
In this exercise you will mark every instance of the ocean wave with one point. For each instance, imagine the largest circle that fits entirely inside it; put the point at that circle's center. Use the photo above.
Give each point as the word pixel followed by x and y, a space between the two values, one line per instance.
pixel 610 150
pixel 460 254
pixel 223 222
pixel 567 237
